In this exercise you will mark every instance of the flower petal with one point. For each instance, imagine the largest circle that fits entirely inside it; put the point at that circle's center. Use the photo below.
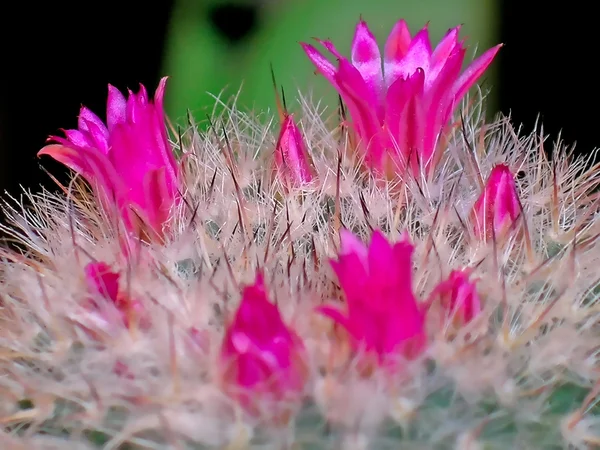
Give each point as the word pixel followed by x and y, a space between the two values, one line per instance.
pixel 97 136
pixel 440 55
pixel 102 280
pixel 352 276
pixel 405 120
pixel 417 56
pixel 351 244
pixel 396 47
pixel 330 48
pixel 362 106
pixel 159 198
pixel 367 58
pixel 473 72
pixel 322 64
pixel 116 108
pixel 440 102
pixel 65 154
pixel 336 315
pixel 76 138
pixel 86 117
pixel 162 137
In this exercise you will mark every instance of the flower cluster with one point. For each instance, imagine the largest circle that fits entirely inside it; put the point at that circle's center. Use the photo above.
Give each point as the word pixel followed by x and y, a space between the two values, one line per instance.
pixel 264 361
pixel 401 113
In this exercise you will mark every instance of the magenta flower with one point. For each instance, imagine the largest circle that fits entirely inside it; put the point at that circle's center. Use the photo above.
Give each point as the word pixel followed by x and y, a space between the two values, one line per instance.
pixel 498 206
pixel 129 160
pixel 383 317
pixel 292 162
pixel 263 361
pixel 458 297
pixel 401 112
pixel 103 283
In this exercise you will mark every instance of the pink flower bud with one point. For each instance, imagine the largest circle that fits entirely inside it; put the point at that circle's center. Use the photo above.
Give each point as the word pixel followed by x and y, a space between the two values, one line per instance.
pixel 103 283
pixel 498 205
pixel 458 298
pixel 263 362
pixel 292 162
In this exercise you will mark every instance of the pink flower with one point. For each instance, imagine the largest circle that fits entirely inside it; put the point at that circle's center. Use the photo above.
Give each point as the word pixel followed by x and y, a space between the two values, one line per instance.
pixel 262 360
pixel 103 283
pixel 382 317
pixel 459 299
pixel 401 112
pixel 292 162
pixel 498 205
pixel 129 160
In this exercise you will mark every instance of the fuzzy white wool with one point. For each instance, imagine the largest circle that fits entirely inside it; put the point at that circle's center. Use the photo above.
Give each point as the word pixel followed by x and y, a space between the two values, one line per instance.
pixel 234 220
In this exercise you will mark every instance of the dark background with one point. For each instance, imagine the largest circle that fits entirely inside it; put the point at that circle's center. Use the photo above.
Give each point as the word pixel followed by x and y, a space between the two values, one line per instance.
pixel 60 56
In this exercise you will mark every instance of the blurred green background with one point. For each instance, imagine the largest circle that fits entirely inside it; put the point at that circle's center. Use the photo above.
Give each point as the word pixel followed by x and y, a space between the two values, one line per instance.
pixel 202 59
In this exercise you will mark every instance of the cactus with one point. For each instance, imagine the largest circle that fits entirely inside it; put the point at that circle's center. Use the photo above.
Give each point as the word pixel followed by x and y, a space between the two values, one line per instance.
pixel 114 333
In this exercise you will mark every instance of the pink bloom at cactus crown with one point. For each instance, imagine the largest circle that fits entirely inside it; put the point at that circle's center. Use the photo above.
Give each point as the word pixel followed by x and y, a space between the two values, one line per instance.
pixel 459 298
pixel 498 206
pixel 382 315
pixel 129 159
pixel 400 111
pixel 102 282
pixel 262 359
pixel 292 161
